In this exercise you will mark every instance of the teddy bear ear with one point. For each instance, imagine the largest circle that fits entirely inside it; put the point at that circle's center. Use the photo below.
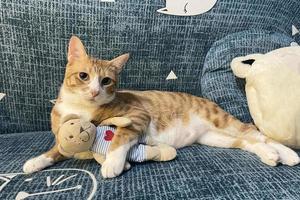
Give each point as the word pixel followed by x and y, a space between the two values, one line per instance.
pixel 241 66
pixel 69 117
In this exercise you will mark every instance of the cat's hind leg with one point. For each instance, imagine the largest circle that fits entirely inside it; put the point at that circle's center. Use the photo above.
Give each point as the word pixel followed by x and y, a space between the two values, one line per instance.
pixel 250 134
pixel 269 151
pixel 266 153
pixel 287 155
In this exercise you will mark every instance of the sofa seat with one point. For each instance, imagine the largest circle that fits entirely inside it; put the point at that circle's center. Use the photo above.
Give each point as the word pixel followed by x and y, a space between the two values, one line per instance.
pixel 198 172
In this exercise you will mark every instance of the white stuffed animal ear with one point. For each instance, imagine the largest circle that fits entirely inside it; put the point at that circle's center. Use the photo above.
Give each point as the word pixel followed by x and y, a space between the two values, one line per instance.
pixel 241 66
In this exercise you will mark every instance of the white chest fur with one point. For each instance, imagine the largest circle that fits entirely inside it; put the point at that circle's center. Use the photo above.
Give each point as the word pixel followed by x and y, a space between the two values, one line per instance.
pixel 73 104
pixel 65 108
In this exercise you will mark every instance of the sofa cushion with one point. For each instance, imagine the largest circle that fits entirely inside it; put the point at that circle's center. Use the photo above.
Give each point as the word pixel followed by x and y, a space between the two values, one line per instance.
pixel 218 82
pixel 35 35
pixel 198 172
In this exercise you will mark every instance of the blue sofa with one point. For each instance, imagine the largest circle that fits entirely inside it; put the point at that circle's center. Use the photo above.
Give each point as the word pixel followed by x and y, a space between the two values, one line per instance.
pixel 34 36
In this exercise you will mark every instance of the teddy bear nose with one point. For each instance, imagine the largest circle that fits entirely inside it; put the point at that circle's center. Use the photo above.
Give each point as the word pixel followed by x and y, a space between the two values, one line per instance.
pixel 84 136
pixel 71 136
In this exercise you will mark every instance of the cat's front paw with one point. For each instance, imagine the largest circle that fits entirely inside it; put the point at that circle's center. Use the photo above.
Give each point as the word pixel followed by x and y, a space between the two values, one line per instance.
pixel 37 164
pixel 112 167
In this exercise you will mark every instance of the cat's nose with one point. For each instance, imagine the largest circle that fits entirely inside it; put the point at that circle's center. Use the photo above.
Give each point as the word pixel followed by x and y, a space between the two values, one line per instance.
pixel 95 93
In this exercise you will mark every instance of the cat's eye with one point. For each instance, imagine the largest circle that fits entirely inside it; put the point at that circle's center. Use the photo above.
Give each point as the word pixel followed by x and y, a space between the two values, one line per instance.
pixel 106 81
pixel 83 76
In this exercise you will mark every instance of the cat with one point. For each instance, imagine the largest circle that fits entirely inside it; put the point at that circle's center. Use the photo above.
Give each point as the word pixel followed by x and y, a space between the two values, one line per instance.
pixel 177 119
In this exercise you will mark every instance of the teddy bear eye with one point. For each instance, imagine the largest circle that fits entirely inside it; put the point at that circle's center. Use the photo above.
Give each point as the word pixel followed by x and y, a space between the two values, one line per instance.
pixel 72 123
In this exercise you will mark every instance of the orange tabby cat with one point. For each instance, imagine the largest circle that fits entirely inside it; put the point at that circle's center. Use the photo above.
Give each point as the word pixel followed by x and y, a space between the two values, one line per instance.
pixel 177 119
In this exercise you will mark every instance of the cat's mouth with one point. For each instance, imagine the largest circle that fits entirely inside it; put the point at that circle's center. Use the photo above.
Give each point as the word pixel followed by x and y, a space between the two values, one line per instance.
pixel 94 98
pixel 91 99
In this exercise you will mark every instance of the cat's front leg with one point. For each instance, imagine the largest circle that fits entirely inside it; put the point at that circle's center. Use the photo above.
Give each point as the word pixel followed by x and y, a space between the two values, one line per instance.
pixel 122 141
pixel 50 157
pixel 44 160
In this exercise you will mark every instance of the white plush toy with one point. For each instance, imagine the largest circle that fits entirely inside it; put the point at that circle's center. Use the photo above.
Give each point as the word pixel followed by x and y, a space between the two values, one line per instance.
pixel 273 92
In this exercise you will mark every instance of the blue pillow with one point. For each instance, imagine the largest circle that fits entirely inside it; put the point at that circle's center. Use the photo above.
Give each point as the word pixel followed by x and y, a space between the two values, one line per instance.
pixel 218 82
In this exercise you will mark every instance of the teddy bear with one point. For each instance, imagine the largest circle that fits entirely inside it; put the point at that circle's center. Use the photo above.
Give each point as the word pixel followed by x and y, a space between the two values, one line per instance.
pixel 273 92
pixel 77 135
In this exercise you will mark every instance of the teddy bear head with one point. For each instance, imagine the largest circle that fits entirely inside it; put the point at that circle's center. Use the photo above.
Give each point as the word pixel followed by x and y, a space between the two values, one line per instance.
pixel 75 136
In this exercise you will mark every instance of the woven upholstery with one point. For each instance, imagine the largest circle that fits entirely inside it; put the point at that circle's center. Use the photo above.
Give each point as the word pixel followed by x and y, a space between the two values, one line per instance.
pixel 34 35
pixel 218 81
pixel 199 172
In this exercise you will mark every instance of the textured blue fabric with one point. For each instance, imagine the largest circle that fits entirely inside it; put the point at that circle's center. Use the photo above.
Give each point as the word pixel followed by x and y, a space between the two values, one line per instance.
pixel 198 172
pixel 218 82
pixel 34 35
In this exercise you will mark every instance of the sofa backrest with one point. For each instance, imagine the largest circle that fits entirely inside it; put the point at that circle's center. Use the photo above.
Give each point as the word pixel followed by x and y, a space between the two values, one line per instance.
pixel 34 37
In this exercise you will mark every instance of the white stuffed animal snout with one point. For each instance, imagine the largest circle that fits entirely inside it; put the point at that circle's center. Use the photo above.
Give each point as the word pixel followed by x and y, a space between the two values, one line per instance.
pixel 241 66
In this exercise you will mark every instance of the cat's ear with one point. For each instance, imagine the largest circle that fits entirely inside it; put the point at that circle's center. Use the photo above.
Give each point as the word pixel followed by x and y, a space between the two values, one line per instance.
pixel 76 50
pixel 119 62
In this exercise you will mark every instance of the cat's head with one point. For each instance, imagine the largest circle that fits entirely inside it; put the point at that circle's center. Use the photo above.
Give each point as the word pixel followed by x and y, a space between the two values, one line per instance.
pixel 88 78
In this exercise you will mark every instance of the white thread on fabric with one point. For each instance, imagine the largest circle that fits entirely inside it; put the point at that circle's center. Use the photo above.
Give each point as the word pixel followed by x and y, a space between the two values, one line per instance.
pixel 92 176
pixel 171 76
pixel 295 31
pixel 2 95
pixel 48 181
pixel 110 1
pixel 53 101
pixel 293 44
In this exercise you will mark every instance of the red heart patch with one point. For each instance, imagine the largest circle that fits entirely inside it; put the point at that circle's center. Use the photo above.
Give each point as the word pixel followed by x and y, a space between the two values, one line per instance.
pixel 108 135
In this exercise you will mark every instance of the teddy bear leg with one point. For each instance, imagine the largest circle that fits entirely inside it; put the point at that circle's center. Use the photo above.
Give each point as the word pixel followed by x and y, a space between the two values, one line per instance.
pixel 84 155
pixel 101 158
pixel 161 152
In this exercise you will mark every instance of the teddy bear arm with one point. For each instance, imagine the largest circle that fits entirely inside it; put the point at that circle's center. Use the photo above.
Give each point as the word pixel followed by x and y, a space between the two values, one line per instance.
pixel 117 121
